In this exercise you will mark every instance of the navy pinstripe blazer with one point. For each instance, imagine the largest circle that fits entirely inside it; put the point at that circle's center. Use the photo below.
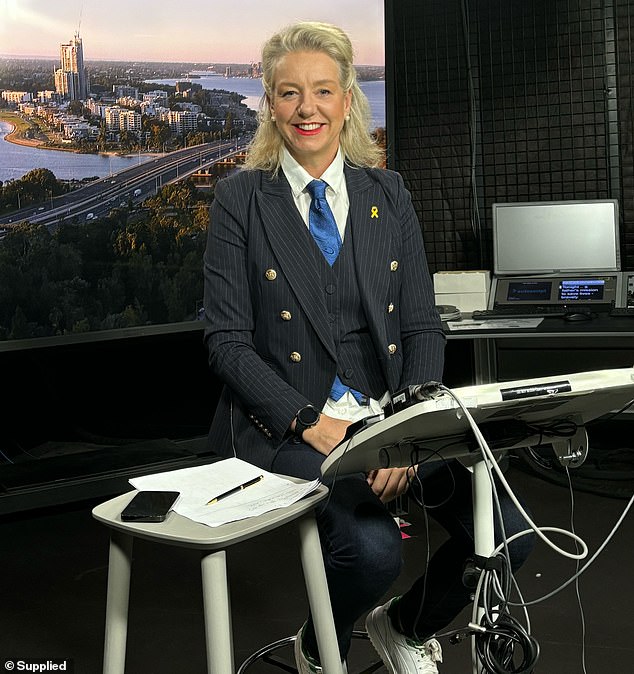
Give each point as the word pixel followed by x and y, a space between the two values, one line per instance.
pixel 267 327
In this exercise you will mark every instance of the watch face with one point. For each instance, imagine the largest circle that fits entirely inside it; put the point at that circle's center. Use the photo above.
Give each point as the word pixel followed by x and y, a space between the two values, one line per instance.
pixel 308 416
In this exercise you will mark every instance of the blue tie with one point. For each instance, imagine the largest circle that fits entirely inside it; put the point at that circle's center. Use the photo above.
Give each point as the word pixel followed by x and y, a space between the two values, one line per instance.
pixel 321 222
pixel 323 227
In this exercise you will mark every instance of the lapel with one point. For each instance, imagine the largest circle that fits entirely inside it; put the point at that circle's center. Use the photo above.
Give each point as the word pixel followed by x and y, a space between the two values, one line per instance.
pixel 293 247
pixel 372 241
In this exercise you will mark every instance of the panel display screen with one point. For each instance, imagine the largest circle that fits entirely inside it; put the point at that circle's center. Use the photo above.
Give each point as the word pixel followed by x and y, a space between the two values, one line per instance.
pixel 529 291
pixel 559 290
pixel 582 290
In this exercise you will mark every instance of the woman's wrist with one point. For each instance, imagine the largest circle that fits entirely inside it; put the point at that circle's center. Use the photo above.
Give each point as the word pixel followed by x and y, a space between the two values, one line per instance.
pixel 307 417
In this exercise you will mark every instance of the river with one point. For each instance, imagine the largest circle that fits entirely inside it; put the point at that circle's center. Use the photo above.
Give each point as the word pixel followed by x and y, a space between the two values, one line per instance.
pixel 16 160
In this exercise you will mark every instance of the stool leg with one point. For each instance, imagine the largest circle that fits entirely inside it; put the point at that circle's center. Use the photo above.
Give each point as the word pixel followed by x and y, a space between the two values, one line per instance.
pixel 119 565
pixel 483 533
pixel 318 596
pixel 217 613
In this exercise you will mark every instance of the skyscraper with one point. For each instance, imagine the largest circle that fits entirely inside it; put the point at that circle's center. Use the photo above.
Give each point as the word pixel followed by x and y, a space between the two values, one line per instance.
pixel 70 77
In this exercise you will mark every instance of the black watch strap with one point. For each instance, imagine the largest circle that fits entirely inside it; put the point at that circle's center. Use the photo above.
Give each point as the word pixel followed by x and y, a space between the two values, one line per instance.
pixel 306 418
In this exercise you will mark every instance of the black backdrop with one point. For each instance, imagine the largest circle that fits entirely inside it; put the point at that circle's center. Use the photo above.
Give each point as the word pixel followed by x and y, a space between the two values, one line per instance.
pixel 508 100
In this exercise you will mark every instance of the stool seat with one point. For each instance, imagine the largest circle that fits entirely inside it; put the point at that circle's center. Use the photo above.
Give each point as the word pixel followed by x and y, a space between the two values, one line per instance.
pixel 212 542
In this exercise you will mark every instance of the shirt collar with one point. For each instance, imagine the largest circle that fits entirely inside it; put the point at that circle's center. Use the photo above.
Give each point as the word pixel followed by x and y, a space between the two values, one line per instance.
pixel 298 177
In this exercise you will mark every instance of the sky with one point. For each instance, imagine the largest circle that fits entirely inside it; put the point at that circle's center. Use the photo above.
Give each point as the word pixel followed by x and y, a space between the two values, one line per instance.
pixel 206 31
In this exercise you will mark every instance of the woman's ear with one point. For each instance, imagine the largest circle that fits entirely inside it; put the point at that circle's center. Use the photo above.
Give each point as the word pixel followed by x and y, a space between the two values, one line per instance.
pixel 270 107
pixel 347 102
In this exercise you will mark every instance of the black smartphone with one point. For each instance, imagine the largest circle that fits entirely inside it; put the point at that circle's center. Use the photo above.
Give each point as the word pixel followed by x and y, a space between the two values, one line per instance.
pixel 149 506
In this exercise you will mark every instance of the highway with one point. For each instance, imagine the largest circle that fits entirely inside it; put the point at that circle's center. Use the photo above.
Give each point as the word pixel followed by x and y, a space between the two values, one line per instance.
pixel 131 185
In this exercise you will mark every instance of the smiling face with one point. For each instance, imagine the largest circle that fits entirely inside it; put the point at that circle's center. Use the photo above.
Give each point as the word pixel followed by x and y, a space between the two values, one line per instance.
pixel 309 108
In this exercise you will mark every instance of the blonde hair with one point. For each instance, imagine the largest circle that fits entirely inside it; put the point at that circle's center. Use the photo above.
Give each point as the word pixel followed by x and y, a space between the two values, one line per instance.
pixel 357 144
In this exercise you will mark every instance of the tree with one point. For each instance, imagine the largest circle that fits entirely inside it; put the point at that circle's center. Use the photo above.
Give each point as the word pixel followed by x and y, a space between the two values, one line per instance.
pixel 228 124
pixel 19 325
pixel 127 140
pixel 76 108
pixel 117 272
pixel 44 179
pixel 35 186
pixel 159 132
pixel 102 138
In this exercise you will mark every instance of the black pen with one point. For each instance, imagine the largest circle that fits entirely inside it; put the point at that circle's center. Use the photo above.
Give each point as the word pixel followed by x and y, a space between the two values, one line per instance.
pixel 235 490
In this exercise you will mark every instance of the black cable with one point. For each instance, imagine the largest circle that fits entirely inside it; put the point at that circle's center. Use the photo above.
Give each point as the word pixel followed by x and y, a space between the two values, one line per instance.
pixel 498 645
pixel 538 458
pixel 436 454
pixel 562 428
pixel 500 639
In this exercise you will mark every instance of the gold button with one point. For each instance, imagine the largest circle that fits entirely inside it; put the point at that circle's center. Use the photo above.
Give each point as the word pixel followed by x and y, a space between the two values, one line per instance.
pixel 390 308
pixel 295 357
pixel 392 348
pixel 393 265
pixel 285 315
pixel 270 274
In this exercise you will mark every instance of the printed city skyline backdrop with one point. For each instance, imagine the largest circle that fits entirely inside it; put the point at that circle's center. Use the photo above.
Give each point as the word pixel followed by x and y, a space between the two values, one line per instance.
pixel 156 101
pixel 197 32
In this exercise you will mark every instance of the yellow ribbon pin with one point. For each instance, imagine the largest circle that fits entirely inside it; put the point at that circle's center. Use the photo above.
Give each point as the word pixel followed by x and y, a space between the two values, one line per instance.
pixel 374 213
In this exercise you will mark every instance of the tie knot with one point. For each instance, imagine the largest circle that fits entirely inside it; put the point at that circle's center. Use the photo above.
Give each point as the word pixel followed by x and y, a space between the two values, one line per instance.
pixel 317 189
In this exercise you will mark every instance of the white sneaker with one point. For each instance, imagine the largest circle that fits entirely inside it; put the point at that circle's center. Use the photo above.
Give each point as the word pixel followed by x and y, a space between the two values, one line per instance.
pixel 305 664
pixel 400 654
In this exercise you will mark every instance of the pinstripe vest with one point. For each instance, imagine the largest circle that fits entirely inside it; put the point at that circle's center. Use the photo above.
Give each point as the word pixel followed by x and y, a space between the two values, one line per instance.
pixel 357 364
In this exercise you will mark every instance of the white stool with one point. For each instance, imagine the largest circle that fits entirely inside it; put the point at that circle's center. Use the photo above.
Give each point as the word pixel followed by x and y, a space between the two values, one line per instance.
pixel 213 541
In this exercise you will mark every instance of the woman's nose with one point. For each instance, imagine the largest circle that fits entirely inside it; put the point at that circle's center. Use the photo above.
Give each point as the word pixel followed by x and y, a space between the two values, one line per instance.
pixel 306 107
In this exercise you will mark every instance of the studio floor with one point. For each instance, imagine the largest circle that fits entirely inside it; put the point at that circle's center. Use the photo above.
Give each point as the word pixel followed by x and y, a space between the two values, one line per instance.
pixel 54 574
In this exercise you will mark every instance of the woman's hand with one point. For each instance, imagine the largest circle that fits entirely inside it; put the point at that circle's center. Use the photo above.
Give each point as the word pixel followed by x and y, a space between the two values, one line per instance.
pixel 388 483
pixel 326 434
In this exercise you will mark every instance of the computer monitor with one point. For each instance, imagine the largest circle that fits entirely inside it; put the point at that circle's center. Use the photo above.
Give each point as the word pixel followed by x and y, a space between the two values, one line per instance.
pixel 553 237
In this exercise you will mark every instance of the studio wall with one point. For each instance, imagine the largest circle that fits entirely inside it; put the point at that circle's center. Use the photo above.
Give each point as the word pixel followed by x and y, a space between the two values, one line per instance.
pixel 509 100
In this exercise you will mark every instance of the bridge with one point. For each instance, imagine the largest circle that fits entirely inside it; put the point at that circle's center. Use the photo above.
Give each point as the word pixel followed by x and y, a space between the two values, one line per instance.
pixel 204 177
pixel 130 186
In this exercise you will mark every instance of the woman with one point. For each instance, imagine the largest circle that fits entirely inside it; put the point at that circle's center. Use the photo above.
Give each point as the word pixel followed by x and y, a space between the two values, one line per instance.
pixel 309 337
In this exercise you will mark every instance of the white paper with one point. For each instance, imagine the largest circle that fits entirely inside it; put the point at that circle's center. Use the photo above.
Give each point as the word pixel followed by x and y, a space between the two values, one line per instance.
pixel 494 324
pixel 201 484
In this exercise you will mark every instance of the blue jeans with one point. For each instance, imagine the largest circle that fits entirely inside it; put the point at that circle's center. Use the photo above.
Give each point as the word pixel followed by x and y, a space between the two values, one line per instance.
pixel 362 545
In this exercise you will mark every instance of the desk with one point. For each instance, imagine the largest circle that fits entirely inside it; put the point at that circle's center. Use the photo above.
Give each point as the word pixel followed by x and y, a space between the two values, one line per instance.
pixel 555 346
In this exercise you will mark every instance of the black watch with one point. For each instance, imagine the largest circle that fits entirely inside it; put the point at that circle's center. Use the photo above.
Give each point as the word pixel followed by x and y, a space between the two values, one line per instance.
pixel 305 418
